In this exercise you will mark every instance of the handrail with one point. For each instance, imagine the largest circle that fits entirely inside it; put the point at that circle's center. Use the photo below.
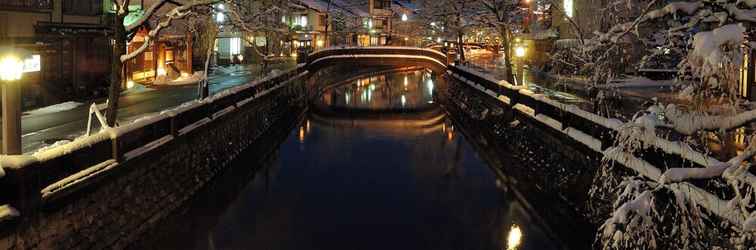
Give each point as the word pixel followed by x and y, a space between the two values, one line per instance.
pixel 408 52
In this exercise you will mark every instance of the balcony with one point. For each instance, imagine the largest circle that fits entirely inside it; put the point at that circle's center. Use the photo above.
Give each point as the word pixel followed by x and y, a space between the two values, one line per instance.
pixel 27 5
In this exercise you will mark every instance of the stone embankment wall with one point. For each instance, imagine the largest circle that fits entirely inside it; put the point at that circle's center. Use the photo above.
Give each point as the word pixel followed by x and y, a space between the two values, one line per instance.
pixel 109 205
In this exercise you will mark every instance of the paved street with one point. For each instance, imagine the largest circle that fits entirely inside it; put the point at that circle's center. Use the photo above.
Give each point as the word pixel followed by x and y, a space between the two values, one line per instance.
pixel 44 129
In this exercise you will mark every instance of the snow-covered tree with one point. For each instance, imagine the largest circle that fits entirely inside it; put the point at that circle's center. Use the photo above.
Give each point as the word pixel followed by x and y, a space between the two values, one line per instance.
pixel 452 18
pixel 122 35
pixel 502 15
pixel 705 41
pixel 249 15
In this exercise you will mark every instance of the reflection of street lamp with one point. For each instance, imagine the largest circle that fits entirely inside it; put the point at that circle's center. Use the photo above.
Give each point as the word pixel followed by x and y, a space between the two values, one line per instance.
pixel 11 69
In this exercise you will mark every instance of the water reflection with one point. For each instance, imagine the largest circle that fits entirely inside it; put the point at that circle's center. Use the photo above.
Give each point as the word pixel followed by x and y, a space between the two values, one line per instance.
pixel 386 170
pixel 410 89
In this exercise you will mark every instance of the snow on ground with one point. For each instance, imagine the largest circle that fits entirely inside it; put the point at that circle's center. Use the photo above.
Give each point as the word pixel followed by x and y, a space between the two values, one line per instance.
pixel 184 79
pixel 137 88
pixel 54 108
pixel 639 82
pixel 51 146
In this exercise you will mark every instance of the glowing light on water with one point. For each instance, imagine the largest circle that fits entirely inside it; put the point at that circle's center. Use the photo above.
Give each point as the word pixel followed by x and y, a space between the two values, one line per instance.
pixel 404 100
pixel 514 238
pixel 301 134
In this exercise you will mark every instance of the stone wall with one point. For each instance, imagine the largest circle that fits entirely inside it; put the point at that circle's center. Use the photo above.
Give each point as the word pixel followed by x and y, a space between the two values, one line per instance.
pixel 115 210
pixel 549 173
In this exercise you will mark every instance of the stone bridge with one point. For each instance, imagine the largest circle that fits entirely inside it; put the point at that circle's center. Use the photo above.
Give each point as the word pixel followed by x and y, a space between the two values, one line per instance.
pixel 384 56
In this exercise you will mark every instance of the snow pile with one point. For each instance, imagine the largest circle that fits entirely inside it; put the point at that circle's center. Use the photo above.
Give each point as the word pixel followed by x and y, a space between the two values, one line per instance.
pixel 688 8
pixel 184 79
pixel 54 108
pixel 713 49
pixel 638 82
pixel 137 88
pixel 52 146
pixel 631 221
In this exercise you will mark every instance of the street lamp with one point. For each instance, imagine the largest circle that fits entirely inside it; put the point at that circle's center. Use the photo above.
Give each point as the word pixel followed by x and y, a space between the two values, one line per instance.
pixel 11 70
pixel 520 51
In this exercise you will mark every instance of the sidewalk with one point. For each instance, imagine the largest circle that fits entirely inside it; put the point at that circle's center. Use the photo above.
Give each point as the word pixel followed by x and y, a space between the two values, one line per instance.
pixel 67 121
pixel 632 92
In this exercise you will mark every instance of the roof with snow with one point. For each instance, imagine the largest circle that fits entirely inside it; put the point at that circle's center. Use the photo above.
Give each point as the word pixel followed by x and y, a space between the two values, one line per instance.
pixel 355 8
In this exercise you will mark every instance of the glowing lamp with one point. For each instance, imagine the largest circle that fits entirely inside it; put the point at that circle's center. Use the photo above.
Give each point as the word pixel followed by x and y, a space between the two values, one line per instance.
pixel 161 71
pixel 11 68
pixel 514 238
pixel 129 84
pixel 520 52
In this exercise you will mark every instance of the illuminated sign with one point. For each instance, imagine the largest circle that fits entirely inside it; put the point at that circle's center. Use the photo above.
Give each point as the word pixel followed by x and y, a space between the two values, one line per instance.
pixel 32 64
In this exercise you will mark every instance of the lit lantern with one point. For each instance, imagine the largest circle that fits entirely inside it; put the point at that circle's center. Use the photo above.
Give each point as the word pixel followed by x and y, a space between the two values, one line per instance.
pixel 11 68
pixel 520 51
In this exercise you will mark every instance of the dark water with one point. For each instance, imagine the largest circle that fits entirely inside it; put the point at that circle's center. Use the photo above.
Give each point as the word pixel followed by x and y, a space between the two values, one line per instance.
pixel 376 164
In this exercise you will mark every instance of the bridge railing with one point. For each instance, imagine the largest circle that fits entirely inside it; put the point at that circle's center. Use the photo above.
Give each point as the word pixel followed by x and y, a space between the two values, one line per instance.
pixel 31 181
pixel 386 50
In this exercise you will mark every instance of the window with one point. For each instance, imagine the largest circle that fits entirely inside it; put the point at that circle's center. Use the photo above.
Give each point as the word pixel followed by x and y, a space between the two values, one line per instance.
pixel 235 46
pixel 300 20
pixel 169 55
pixel 3 25
pixel 323 20
pixel 382 4
pixel 27 4
pixel 569 8
pixel 82 7
pixel 304 20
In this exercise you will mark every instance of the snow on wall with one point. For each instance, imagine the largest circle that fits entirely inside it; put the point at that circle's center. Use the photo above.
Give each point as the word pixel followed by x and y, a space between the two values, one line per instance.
pixel 669 178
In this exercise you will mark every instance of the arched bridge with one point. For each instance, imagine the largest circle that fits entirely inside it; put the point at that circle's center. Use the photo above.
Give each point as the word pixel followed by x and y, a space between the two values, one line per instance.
pixel 393 56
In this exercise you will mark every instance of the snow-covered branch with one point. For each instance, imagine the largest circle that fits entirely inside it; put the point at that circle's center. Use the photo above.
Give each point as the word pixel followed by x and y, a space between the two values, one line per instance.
pixel 156 6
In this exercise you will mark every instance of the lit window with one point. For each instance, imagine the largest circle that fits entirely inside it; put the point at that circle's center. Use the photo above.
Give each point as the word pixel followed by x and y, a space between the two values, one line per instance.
pixel 235 46
pixel 304 21
pixel 568 7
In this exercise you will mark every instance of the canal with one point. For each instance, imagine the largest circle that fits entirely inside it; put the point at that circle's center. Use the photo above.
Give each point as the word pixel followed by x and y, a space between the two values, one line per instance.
pixel 375 163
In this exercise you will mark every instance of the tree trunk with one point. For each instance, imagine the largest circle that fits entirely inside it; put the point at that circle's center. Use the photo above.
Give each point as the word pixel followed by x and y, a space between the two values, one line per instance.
pixel 504 32
pixel 460 48
pixel 117 74
pixel 204 86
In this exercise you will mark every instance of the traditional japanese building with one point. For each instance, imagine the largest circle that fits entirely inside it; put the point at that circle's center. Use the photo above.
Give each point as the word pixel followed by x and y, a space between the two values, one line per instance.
pixel 170 56
pixel 70 39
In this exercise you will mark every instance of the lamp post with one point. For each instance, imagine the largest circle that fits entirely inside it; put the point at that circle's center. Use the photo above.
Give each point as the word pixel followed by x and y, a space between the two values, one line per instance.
pixel 11 69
